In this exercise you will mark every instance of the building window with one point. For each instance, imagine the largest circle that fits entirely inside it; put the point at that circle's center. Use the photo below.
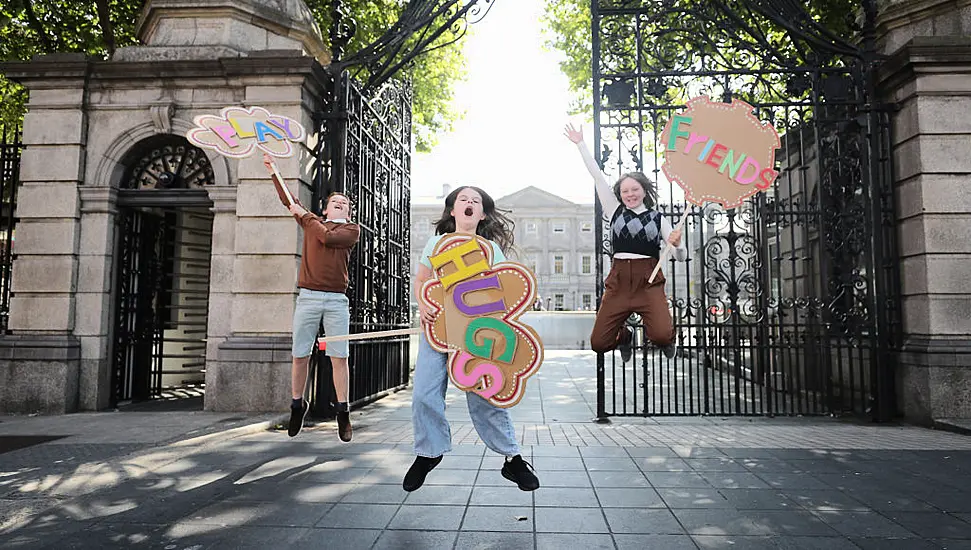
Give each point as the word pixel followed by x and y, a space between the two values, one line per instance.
pixel 559 227
pixel 586 227
pixel 587 302
pixel 530 228
pixel 558 265
pixel 531 264
pixel 558 302
pixel 586 265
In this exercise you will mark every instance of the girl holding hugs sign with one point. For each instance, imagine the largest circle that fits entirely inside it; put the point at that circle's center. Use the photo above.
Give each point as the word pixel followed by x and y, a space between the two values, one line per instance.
pixel 471 211
pixel 638 233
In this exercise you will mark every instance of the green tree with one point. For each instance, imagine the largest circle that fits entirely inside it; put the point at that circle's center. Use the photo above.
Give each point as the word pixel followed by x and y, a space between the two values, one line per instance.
pixel 34 27
pixel 567 29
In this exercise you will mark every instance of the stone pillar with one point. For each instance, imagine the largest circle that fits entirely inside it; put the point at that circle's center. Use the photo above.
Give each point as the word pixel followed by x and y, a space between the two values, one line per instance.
pixel 928 77
pixel 252 363
pixel 251 370
pixel 95 288
pixel 39 359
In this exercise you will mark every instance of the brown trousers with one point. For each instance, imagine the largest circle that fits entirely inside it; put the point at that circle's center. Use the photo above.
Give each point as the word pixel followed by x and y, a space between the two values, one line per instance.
pixel 627 291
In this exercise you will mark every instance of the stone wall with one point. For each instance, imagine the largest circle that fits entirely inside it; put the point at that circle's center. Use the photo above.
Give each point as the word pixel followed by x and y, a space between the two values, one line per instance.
pixel 928 77
pixel 84 119
pixel 39 362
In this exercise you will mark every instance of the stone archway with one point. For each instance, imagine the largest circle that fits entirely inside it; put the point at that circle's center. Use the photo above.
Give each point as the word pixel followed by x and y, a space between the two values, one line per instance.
pixel 162 251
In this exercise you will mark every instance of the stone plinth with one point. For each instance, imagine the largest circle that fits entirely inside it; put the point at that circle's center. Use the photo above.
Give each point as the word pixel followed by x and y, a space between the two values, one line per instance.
pixel 39 373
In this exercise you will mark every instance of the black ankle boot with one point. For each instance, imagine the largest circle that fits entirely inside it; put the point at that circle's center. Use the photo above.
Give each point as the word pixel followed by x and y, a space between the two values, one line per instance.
pixel 415 477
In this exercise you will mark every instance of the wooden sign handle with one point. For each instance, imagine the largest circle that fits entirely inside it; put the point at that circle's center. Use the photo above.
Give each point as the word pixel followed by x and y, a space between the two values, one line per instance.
pixel 369 335
pixel 667 249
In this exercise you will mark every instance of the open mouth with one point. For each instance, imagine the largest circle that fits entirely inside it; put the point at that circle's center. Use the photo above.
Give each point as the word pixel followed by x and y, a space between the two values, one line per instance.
pixel 468 210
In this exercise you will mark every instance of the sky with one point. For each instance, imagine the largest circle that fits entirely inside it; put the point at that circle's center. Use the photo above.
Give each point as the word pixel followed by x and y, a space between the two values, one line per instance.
pixel 516 102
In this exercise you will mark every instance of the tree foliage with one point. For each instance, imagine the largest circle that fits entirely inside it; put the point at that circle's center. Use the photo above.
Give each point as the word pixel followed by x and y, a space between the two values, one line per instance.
pixel 433 74
pixel 567 28
pixel 35 27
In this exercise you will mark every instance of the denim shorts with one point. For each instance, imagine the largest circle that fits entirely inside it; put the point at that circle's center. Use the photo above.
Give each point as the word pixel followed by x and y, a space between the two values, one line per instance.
pixel 312 307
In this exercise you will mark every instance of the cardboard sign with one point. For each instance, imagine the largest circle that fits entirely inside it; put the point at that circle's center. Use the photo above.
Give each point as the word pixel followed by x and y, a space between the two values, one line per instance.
pixel 719 152
pixel 238 132
pixel 477 306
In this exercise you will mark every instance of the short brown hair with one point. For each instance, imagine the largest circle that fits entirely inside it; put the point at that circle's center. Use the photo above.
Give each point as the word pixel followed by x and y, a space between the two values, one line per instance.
pixel 350 203
pixel 334 194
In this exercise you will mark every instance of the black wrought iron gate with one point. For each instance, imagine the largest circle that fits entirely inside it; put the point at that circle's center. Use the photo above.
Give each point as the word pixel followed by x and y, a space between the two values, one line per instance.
pixel 10 150
pixel 788 304
pixel 162 269
pixel 365 152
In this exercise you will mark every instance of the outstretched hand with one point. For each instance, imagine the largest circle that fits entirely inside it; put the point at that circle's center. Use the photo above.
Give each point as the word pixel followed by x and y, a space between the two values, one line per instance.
pixel 573 134
pixel 297 209
pixel 268 162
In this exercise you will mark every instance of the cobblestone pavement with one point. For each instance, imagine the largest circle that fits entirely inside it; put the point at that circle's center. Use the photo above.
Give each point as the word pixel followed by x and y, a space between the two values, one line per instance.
pixel 666 483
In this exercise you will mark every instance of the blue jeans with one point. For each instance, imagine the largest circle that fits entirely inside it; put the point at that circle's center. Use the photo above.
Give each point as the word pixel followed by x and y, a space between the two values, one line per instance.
pixel 433 436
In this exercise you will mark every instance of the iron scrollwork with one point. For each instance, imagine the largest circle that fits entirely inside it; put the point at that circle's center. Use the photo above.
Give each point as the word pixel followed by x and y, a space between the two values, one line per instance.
pixel 170 163
pixel 780 303
pixel 364 151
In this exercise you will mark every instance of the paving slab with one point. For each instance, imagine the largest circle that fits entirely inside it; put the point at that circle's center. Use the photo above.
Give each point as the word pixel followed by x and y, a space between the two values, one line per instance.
pixel 700 482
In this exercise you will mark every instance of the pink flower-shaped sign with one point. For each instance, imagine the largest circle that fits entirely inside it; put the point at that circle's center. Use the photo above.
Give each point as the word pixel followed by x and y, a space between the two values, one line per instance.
pixel 238 132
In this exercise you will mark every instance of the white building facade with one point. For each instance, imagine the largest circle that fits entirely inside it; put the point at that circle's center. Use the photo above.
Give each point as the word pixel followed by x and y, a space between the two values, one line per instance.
pixel 554 238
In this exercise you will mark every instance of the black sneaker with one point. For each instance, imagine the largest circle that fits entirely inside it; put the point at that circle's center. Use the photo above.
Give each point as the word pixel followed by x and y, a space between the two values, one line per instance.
pixel 521 473
pixel 670 350
pixel 344 430
pixel 415 477
pixel 625 347
pixel 297 415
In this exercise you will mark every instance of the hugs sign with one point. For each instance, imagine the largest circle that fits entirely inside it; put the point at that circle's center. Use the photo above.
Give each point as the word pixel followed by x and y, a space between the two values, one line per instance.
pixel 476 306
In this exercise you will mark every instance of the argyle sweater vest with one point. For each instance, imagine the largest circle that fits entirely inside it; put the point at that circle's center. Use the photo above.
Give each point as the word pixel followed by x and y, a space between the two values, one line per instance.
pixel 636 233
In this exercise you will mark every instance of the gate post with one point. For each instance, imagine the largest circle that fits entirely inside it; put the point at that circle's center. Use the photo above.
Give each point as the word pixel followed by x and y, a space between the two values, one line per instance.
pixel 40 368
pixel 929 79
pixel 597 207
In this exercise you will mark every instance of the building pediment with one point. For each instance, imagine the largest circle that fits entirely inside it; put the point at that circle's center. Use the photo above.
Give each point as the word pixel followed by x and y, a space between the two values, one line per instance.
pixel 534 197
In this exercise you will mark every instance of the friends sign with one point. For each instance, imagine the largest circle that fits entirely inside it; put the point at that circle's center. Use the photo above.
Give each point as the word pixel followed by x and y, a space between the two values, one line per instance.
pixel 476 306
pixel 719 152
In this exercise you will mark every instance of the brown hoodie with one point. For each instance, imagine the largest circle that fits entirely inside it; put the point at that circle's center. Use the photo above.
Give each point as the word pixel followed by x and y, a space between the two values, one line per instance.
pixel 326 250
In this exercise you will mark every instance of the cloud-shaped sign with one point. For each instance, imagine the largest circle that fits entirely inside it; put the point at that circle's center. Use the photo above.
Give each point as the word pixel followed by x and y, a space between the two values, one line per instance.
pixel 238 132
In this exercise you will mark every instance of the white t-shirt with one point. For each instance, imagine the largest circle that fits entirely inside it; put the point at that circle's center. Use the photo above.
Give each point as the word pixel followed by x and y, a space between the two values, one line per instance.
pixel 497 255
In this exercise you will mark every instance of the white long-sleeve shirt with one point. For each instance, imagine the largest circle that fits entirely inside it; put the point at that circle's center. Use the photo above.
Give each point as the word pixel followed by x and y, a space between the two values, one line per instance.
pixel 610 203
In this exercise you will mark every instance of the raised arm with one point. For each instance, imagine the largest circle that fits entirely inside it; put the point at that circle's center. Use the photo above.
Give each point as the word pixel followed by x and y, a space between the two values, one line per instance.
pixel 277 184
pixel 670 236
pixel 604 192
